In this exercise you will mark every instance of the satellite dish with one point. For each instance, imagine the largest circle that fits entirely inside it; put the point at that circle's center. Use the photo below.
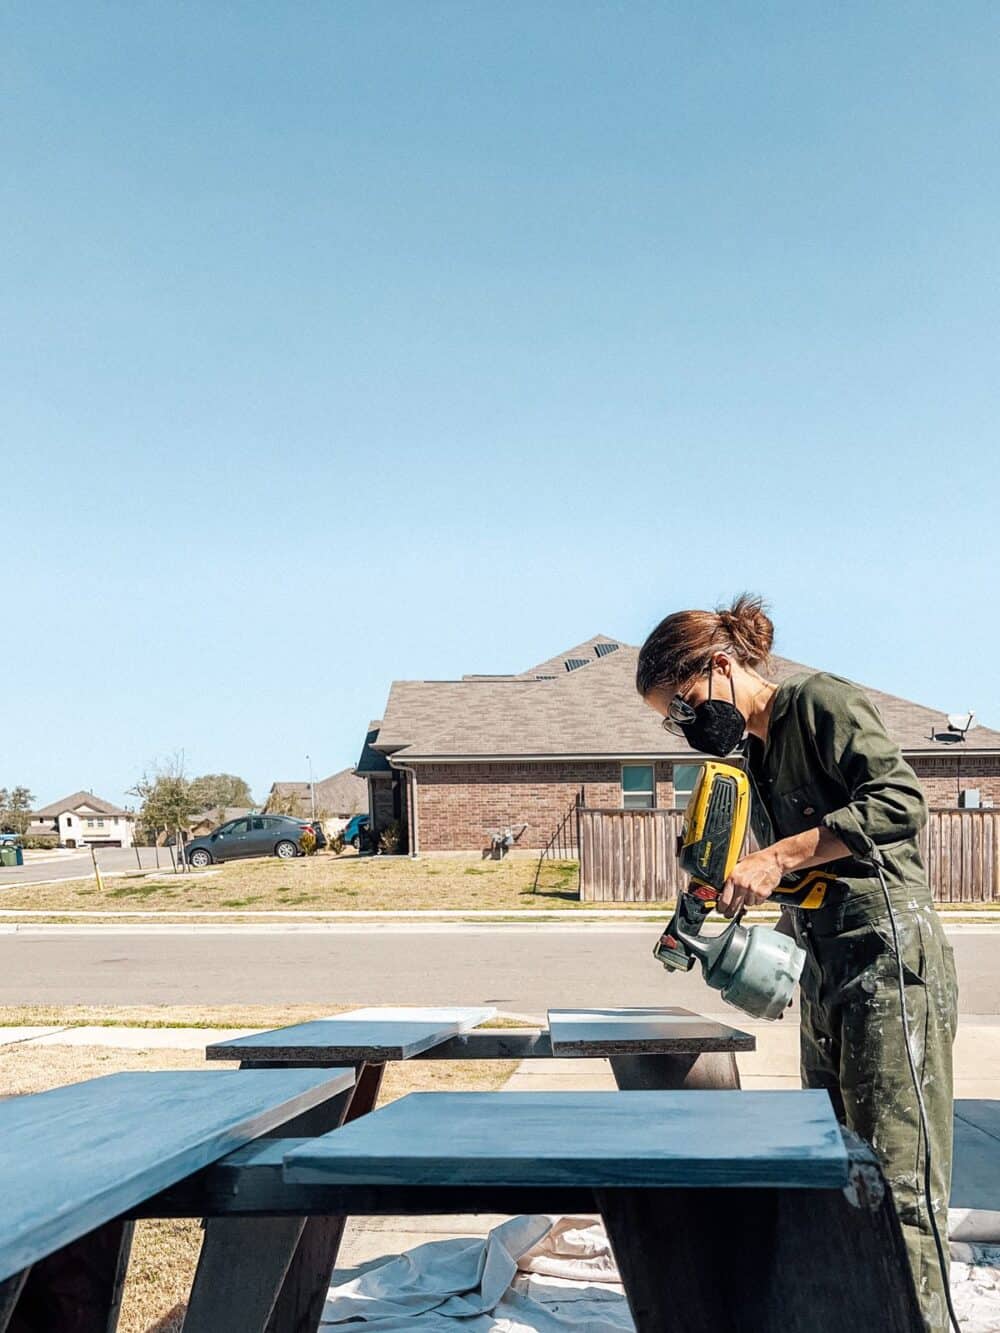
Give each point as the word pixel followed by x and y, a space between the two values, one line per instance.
pixel 961 722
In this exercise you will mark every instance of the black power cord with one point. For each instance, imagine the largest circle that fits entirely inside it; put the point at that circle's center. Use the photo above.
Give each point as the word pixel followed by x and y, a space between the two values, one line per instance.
pixel 943 1259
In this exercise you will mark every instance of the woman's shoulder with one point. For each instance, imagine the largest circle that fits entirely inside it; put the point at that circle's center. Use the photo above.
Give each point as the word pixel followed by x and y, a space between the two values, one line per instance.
pixel 822 690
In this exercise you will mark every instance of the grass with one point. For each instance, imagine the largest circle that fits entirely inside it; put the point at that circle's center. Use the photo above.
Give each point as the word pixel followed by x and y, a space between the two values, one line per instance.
pixel 164 1253
pixel 259 1016
pixel 322 882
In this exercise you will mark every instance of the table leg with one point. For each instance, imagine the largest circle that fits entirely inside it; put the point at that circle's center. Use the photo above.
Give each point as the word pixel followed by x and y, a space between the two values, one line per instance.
pixel 10 1290
pixel 303 1293
pixel 641 1073
pixel 76 1290
pixel 242 1265
pixel 782 1260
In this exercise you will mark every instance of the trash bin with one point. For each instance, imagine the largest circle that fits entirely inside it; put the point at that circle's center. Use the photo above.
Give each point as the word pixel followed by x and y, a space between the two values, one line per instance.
pixel 10 855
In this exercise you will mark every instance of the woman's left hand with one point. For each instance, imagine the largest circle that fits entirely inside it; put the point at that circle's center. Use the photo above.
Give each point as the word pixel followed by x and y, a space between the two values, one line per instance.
pixel 752 882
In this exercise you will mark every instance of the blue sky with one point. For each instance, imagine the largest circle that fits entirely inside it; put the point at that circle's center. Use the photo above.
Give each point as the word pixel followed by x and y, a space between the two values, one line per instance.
pixel 352 341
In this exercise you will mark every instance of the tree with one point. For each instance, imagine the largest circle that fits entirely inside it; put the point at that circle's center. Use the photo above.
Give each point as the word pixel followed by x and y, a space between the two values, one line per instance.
pixel 15 809
pixel 220 789
pixel 167 803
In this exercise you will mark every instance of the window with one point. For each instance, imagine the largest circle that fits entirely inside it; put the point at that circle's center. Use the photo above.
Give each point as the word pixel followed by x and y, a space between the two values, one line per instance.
pixel 258 823
pixel 90 823
pixel 638 787
pixel 69 820
pixel 100 823
pixel 239 827
pixel 685 776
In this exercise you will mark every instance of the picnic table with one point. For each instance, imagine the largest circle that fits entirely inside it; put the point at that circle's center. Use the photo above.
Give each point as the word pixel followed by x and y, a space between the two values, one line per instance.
pixel 672 1173
pixel 666 1048
pixel 76 1160
pixel 647 1048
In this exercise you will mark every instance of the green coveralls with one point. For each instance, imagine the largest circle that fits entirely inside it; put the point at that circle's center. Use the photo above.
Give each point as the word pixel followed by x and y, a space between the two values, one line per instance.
pixel 828 761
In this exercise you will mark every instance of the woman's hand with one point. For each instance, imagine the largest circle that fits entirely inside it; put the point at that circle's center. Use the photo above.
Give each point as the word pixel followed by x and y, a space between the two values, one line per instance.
pixel 752 882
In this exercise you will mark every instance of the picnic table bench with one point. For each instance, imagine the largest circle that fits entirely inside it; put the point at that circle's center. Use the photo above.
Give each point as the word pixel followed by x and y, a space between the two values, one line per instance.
pixel 677 1176
pixel 76 1160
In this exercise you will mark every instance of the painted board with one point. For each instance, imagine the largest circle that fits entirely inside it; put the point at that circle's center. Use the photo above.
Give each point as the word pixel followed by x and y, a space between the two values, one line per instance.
pixel 975 1174
pixel 981 1112
pixel 591 1139
pixel 672 1031
pixel 78 1156
pixel 367 1034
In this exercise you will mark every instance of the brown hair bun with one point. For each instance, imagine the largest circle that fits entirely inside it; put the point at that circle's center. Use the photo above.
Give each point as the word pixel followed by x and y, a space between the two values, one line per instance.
pixel 686 641
pixel 748 628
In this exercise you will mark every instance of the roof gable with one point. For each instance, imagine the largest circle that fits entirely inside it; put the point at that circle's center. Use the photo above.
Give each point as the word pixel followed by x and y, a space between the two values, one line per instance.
pixel 84 801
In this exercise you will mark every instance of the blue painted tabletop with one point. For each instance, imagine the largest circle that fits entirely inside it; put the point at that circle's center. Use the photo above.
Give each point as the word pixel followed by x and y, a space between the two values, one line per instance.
pixel 591 1139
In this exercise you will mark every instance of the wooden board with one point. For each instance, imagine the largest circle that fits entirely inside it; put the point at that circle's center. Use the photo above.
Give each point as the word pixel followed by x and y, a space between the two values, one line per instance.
pixel 673 1031
pixel 75 1157
pixel 594 1139
pixel 981 1112
pixel 375 1035
pixel 975 1176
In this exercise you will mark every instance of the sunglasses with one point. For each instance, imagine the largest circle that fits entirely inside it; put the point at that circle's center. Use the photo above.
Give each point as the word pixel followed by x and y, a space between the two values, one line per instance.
pixel 680 713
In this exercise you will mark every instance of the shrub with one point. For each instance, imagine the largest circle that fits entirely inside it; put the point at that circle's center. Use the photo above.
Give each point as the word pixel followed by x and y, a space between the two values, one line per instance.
pixel 307 842
pixel 336 844
pixel 391 838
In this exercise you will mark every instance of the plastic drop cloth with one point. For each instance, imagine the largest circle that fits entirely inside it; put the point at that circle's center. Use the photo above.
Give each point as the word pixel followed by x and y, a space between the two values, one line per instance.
pixel 543 1274
pixel 532 1274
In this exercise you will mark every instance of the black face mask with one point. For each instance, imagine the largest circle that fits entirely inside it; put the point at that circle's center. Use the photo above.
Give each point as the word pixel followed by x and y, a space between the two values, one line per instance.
pixel 718 726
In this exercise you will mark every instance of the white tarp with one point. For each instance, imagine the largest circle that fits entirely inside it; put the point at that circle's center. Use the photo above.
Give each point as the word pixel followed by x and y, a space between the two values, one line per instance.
pixel 541 1274
pixel 533 1274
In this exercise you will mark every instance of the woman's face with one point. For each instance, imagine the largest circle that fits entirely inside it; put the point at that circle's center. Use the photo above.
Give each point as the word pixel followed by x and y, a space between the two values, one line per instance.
pixel 726 676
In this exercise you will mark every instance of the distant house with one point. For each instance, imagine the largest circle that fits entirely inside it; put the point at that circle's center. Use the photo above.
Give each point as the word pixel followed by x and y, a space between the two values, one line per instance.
pixel 453 760
pixel 207 820
pixel 337 798
pixel 82 820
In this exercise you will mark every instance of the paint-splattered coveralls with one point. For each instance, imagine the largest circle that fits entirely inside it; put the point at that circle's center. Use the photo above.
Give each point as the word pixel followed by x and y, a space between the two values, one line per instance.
pixel 828 761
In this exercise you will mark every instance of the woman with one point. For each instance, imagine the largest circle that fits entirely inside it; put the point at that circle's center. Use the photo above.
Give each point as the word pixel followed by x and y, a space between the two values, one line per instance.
pixel 831 789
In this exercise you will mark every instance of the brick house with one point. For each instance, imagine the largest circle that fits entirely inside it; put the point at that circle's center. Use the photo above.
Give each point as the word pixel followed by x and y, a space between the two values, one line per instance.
pixel 454 759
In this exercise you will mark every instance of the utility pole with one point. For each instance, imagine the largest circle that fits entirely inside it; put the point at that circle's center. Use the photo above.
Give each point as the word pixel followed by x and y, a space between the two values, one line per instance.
pixel 312 790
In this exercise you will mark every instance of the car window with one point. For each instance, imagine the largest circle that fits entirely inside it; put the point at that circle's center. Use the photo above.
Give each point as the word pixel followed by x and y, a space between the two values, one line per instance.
pixel 225 828
pixel 258 823
pixel 239 826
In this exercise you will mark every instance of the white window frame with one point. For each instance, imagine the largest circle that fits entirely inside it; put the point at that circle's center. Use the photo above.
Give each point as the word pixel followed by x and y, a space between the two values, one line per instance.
pixel 685 791
pixel 646 791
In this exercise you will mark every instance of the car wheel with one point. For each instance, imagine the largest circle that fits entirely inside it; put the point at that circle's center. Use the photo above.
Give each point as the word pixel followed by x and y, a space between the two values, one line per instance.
pixel 200 858
pixel 286 850
pixel 354 842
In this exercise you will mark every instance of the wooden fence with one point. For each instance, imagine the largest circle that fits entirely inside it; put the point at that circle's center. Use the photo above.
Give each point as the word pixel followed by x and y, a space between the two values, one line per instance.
pixel 630 855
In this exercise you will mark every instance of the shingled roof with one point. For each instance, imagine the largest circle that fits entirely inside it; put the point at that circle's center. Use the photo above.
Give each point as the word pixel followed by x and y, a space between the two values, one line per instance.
pixel 592 710
pixel 343 793
pixel 74 802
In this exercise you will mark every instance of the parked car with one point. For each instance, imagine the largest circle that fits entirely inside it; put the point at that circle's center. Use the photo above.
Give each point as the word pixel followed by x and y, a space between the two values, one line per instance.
pixel 352 833
pixel 255 835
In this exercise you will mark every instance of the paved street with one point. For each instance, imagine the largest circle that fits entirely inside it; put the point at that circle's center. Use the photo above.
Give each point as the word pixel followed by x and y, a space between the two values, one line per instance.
pixel 525 969
pixel 53 866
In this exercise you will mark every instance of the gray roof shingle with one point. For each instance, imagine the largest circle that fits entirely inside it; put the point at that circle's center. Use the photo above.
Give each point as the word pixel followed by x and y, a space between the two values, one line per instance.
pixel 593 710
pixel 79 798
